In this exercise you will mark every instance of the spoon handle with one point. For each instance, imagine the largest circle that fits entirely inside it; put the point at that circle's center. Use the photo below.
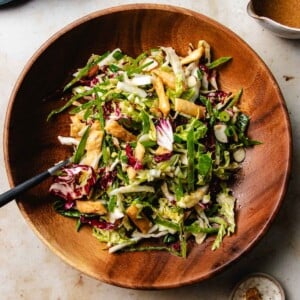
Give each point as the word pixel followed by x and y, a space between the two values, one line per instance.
pixel 24 186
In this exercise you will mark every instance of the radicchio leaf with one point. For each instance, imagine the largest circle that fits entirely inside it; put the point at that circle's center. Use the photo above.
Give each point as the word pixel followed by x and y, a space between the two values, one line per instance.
pixel 106 178
pixel 93 222
pixel 164 133
pixel 74 182
pixel 132 160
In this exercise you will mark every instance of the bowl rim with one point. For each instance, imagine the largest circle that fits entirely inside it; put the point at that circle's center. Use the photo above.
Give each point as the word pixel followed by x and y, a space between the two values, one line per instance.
pixel 112 10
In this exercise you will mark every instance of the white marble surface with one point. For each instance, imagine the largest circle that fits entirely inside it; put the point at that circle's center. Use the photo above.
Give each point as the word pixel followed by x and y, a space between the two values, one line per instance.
pixel 29 270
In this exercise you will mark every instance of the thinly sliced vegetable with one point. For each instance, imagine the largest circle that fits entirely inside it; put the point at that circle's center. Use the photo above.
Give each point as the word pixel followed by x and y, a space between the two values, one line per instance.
pixel 74 182
pixel 239 155
pixel 191 160
pixel 81 147
pixel 220 133
pixel 156 145
pixel 132 189
pixel 218 62
pixel 164 133
pixel 84 71
pixel 69 103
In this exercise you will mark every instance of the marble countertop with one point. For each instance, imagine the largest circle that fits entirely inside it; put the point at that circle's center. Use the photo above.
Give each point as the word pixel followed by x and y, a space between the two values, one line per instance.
pixel 29 270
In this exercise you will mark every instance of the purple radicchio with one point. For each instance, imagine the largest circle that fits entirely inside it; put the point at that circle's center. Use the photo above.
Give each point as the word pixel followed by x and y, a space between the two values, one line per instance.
pixel 111 110
pixel 95 222
pixel 106 178
pixel 164 133
pixel 163 157
pixel 132 160
pixel 74 182
pixel 217 96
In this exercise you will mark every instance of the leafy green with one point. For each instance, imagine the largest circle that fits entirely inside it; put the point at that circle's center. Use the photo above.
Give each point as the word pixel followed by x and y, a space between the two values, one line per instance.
pixel 167 223
pixel 195 228
pixel 218 62
pixel 69 103
pixel 112 203
pixel 242 122
pixel 235 99
pixel 95 59
pixel 221 231
pixel 81 147
pixel 191 160
pixel 204 167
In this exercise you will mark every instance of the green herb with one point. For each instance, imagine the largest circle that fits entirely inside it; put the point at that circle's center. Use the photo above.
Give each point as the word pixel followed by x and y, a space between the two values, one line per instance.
pixel 78 224
pixel 69 103
pixel 195 228
pixel 218 62
pixel 242 122
pixel 84 71
pixel 204 166
pixel 81 147
pixel 112 203
pixel 170 238
pixel 191 158
pixel 105 153
pixel 182 239
pixel 235 99
pixel 114 68
pixel 100 112
pixel 224 116
pixel 152 248
pixel 179 190
pixel 118 55
pixel 82 107
pixel 167 223
pixel 145 122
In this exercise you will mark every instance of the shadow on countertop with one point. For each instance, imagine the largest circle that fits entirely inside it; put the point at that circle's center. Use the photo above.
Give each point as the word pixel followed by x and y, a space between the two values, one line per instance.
pixel 11 3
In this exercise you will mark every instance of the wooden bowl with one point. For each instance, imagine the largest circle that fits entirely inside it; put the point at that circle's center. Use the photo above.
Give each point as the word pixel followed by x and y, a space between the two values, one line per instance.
pixel 31 143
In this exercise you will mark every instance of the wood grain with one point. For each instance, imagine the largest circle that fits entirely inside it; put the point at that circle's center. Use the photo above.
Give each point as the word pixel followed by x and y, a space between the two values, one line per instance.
pixel 31 145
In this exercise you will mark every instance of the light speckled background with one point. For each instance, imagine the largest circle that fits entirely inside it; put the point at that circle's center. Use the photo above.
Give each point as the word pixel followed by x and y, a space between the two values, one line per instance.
pixel 29 270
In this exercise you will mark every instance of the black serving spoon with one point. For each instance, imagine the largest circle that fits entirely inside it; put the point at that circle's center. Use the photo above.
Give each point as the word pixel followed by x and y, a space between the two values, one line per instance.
pixel 26 185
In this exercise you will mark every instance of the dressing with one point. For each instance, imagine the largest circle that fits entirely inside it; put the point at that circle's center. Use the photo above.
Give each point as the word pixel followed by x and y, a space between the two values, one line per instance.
pixel 281 11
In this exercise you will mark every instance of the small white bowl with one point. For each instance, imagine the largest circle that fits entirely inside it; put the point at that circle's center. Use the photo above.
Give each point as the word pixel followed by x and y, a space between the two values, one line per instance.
pixel 267 286
pixel 275 27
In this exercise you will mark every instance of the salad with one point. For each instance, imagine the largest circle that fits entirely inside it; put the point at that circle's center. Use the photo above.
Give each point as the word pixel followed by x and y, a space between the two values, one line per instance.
pixel 156 145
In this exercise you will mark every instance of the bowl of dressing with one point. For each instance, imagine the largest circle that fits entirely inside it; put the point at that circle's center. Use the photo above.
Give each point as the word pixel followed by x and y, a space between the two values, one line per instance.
pixel 258 286
pixel 281 17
